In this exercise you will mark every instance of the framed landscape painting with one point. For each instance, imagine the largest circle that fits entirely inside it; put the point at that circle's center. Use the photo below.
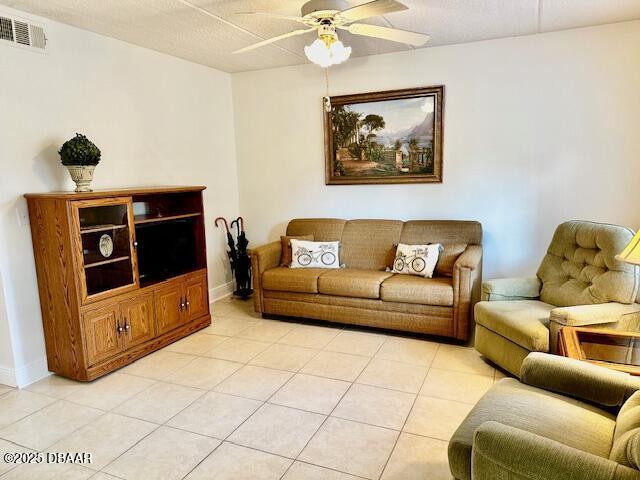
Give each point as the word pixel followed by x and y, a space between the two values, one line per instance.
pixel 385 137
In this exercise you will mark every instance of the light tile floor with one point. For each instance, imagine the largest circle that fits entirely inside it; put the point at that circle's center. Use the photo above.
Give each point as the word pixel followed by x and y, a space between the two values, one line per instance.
pixel 255 399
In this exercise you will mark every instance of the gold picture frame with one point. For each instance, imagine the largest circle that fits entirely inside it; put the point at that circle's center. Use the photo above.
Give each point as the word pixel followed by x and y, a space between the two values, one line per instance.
pixel 364 147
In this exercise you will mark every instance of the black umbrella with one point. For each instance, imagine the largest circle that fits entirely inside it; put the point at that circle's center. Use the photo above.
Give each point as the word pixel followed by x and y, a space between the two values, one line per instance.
pixel 242 237
pixel 233 254
pixel 243 264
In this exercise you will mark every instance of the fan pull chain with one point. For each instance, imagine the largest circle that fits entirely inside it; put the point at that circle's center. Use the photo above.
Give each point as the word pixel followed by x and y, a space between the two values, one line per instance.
pixel 327 98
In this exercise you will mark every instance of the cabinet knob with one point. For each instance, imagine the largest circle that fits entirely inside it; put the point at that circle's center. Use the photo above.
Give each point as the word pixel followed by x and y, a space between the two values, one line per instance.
pixel 126 326
pixel 119 328
pixel 182 304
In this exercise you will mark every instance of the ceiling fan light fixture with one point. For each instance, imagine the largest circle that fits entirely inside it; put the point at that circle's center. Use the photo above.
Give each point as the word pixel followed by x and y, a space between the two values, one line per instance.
pixel 325 53
pixel 325 16
pixel 339 52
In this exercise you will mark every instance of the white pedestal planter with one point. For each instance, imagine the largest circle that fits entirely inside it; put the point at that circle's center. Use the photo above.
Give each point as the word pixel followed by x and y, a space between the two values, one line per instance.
pixel 82 176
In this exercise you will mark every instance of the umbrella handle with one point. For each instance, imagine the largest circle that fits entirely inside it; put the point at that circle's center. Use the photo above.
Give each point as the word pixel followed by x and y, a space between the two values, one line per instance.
pixel 237 224
pixel 241 223
pixel 224 220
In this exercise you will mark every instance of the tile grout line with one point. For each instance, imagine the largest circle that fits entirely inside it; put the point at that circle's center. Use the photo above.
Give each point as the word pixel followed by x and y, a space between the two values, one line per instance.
pixel 264 402
pixel 230 433
pixel 300 370
pixel 102 414
pixel 333 409
pixel 129 449
pixel 330 414
pixel 56 400
pixel 409 414
pixel 204 392
pixel 321 349
pixel 226 438
pixel 158 426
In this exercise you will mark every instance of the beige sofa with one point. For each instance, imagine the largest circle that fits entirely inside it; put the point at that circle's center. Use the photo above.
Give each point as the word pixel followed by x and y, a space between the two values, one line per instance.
pixel 363 293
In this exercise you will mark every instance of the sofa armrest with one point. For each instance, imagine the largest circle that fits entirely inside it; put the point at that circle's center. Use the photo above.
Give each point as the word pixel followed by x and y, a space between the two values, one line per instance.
pixel 501 452
pixel 267 256
pixel 578 379
pixel 471 258
pixel 504 289
pixel 582 315
pixel 467 281
pixel 263 258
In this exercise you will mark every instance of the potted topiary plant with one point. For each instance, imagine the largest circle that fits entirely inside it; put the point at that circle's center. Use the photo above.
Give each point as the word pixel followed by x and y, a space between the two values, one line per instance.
pixel 80 156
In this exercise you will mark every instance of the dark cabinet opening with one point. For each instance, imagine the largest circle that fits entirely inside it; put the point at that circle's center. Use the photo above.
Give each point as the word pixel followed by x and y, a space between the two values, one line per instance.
pixel 169 232
pixel 166 249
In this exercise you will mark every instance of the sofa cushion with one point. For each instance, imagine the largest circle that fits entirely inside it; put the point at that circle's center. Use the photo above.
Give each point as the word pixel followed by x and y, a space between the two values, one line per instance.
pixel 580 267
pixel 322 229
pixel 441 231
pixel 351 282
pixel 285 259
pixel 303 280
pixel 423 291
pixel 447 258
pixel 306 254
pixel 524 322
pixel 370 244
pixel 416 259
pixel 565 420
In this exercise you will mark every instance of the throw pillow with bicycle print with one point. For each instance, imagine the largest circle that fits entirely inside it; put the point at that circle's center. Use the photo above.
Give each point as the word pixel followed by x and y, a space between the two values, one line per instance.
pixel 306 254
pixel 416 259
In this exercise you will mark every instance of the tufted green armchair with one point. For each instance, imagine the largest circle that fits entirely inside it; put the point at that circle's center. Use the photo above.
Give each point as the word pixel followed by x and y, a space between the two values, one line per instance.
pixel 579 283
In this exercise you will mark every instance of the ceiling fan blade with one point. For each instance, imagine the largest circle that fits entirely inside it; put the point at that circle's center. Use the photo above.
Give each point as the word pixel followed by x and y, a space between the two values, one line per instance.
pixel 274 15
pixel 393 34
pixel 275 39
pixel 371 9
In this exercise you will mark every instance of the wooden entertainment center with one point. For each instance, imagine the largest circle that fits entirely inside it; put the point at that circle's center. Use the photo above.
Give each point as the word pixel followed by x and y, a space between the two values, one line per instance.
pixel 121 273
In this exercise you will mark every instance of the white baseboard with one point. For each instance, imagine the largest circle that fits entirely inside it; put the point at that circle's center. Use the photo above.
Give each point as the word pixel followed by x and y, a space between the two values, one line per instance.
pixel 220 292
pixel 25 375
pixel 8 377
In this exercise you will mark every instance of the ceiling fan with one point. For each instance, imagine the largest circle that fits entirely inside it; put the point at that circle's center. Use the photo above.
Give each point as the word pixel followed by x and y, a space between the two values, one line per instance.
pixel 327 16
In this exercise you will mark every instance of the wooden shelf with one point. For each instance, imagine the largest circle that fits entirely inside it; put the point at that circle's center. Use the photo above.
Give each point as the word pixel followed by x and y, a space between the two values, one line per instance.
pixel 101 228
pixel 142 219
pixel 106 262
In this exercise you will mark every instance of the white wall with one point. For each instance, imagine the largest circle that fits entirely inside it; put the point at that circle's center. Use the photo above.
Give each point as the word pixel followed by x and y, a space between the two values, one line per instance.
pixel 537 130
pixel 158 121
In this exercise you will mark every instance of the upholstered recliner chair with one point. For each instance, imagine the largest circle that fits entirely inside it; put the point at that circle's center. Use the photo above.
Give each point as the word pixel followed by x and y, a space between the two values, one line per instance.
pixel 565 420
pixel 579 283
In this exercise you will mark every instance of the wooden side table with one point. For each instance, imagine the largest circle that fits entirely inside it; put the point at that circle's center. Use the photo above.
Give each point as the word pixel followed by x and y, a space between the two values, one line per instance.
pixel 607 348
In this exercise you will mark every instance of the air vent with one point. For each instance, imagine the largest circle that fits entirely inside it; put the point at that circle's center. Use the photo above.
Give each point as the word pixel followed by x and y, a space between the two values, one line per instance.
pixel 38 40
pixel 23 34
pixel 6 29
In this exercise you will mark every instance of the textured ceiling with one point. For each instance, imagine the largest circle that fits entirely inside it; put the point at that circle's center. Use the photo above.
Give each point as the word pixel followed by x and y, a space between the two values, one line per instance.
pixel 207 31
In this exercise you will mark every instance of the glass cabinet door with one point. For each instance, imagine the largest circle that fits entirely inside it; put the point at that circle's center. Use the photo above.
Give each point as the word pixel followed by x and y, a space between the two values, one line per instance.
pixel 105 229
